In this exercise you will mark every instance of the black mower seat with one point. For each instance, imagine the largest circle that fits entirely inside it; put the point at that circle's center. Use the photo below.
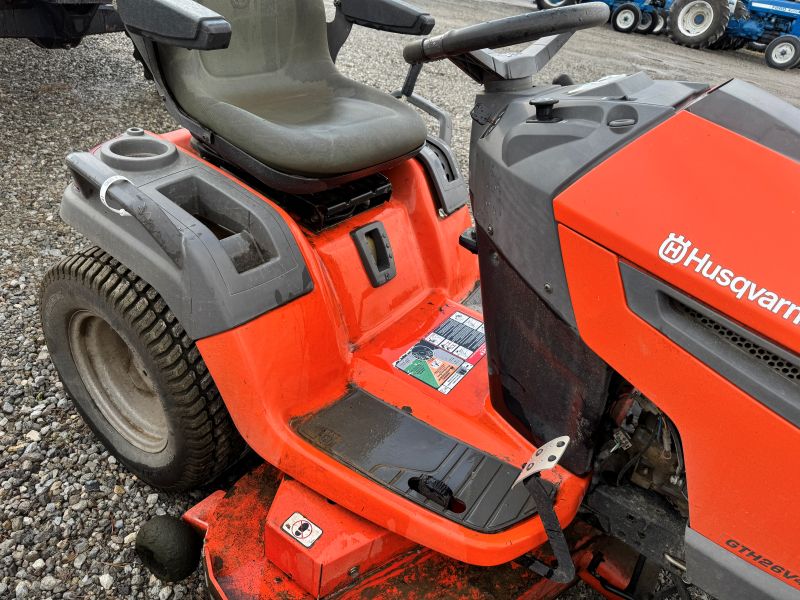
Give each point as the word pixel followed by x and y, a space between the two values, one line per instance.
pixel 275 93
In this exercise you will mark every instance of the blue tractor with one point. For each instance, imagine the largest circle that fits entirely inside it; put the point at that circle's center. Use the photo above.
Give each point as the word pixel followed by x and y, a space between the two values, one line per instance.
pixel 627 16
pixel 732 24
pixel 640 16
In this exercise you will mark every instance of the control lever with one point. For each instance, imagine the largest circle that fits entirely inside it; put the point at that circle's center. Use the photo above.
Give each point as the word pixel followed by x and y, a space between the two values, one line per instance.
pixel 545 459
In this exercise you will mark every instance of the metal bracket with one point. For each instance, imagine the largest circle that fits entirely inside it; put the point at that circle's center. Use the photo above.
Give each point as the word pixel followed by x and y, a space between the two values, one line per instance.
pixel 443 117
pixel 488 65
pixel 545 459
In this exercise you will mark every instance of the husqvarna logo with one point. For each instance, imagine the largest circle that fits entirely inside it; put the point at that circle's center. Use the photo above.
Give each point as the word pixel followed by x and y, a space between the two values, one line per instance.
pixel 677 250
pixel 674 249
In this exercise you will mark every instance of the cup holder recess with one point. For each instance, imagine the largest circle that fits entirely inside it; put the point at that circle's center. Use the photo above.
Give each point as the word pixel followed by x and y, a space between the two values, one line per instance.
pixel 137 151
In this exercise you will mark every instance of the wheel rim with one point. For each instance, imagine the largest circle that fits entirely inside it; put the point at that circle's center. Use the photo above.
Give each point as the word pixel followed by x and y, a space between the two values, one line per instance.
pixel 695 18
pixel 554 3
pixel 115 377
pixel 626 18
pixel 784 53
pixel 660 22
pixel 645 21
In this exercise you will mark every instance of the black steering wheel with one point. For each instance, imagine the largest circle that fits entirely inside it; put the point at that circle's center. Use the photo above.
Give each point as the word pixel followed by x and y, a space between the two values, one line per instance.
pixel 506 32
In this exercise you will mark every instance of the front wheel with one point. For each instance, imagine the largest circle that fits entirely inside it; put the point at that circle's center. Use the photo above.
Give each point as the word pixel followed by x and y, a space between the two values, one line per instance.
pixel 647 23
pixel 698 23
pixel 134 375
pixel 626 18
pixel 783 53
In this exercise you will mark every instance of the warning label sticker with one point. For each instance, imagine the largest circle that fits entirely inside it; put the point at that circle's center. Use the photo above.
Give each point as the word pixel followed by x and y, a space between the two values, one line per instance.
pixel 447 353
pixel 301 529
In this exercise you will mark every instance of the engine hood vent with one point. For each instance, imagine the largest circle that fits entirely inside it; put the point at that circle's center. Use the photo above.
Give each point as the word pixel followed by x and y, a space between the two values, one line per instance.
pixel 767 371
pixel 755 351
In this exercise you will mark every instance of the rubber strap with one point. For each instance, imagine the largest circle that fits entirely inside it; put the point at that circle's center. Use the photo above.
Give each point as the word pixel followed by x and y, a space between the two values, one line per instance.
pixel 564 571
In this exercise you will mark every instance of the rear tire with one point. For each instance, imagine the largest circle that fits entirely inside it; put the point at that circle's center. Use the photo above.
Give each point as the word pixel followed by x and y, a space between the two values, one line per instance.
pixel 698 23
pixel 548 4
pixel 783 53
pixel 134 375
pixel 626 18
pixel 723 43
pixel 647 23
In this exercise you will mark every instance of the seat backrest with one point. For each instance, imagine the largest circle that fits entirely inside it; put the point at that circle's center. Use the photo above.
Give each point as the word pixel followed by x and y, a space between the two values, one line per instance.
pixel 268 36
pixel 282 41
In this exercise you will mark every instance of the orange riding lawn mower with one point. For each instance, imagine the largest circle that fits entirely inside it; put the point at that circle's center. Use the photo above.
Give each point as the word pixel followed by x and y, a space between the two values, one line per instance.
pixel 595 379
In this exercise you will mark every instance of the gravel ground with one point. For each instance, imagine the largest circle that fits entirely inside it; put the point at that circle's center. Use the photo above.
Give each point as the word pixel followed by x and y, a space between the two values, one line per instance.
pixel 68 511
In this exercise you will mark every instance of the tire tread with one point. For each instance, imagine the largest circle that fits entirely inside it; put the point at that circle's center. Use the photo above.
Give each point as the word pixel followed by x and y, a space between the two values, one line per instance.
pixel 211 437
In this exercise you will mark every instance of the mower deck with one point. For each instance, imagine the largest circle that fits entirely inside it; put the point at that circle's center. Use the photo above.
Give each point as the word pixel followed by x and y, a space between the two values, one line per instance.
pixel 246 541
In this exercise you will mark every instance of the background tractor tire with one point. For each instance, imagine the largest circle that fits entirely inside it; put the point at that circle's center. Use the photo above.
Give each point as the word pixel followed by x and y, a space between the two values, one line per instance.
pixel 727 42
pixel 740 10
pixel 547 4
pixel 134 375
pixel 698 23
pixel 647 23
pixel 783 53
pixel 626 17
pixel 660 24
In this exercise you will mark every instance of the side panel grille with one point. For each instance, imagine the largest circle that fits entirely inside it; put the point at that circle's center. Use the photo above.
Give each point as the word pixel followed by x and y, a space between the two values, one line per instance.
pixel 769 373
pixel 778 365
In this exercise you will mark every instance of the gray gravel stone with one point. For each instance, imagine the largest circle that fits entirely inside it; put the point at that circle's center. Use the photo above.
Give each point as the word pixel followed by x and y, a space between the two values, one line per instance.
pixel 48 583
pixel 21 590
pixel 106 581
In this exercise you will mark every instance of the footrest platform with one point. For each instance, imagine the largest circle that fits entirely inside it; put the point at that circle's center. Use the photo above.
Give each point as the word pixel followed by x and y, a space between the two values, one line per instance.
pixel 393 448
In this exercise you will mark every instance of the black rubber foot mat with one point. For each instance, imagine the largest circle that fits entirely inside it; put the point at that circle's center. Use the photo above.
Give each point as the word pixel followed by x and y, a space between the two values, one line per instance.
pixel 392 447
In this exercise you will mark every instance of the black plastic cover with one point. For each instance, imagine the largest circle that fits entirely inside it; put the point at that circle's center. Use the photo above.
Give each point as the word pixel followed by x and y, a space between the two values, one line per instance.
pixel 447 184
pixel 539 369
pixel 721 571
pixel 392 447
pixel 180 23
pixel 754 113
pixel 218 255
pixel 375 250
pixel 396 16
pixel 519 167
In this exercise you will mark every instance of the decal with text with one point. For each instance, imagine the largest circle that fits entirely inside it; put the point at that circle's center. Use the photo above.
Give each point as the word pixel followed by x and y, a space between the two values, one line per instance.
pixel 446 354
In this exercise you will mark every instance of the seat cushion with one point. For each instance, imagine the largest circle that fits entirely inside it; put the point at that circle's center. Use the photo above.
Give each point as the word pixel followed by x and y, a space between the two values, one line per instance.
pixel 276 94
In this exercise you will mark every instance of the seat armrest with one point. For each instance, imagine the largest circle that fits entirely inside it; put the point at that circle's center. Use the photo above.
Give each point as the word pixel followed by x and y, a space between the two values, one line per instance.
pixel 182 23
pixel 396 16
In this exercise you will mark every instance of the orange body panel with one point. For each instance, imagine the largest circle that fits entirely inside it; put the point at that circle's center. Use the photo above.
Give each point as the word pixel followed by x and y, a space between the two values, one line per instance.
pixel 347 542
pixel 302 356
pixel 732 198
pixel 735 201
pixel 740 456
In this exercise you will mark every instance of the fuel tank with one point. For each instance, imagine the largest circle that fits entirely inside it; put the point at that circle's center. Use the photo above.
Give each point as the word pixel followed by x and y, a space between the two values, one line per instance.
pixel 654 171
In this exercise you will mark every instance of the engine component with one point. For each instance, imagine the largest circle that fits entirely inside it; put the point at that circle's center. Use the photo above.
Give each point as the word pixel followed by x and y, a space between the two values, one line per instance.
pixel 644 449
